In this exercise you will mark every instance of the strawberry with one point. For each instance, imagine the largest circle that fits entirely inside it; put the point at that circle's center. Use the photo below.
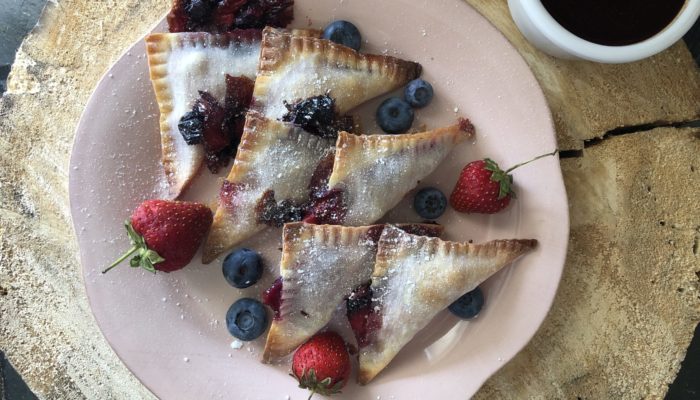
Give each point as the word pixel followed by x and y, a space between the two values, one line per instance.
pixel 322 364
pixel 165 234
pixel 483 187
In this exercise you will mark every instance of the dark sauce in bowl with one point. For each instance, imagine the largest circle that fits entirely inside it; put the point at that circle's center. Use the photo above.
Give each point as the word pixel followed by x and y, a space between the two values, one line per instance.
pixel 614 22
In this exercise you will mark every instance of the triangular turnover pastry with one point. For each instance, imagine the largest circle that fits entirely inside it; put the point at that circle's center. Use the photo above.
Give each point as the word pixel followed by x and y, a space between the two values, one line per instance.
pixel 416 277
pixel 181 66
pixel 267 184
pixel 294 68
pixel 191 68
pixel 321 265
pixel 372 173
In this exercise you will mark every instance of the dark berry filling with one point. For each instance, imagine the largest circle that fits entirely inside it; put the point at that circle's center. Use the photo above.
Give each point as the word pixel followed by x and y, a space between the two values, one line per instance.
pixel 272 297
pixel 363 318
pixel 219 127
pixel 328 208
pixel 271 213
pixel 360 298
pixel 317 115
pixel 261 13
pixel 215 138
pixel 373 233
pixel 426 229
pixel 191 126
pixel 323 206
pixel 199 10
pixel 239 94
pixel 466 125
pixel 225 15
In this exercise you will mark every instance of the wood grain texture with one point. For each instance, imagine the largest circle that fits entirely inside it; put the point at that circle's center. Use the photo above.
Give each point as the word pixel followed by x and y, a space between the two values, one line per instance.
pixel 628 301
pixel 588 99
pixel 46 327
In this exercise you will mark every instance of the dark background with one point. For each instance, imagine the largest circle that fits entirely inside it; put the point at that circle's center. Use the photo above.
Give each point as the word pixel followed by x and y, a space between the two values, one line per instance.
pixel 17 17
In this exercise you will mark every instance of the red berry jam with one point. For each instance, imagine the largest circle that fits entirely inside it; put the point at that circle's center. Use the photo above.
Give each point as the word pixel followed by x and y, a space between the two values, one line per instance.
pixel 431 230
pixel 329 208
pixel 363 318
pixel 272 297
pixel 218 126
pixel 465 125
pixel 239 94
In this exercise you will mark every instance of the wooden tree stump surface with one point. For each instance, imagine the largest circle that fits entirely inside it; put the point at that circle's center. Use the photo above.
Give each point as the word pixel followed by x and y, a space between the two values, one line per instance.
pixel 629 299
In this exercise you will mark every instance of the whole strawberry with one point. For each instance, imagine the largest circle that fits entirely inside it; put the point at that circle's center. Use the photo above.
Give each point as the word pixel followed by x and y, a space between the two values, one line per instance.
pixel 322 364
pixel 483 187
pixel 165 234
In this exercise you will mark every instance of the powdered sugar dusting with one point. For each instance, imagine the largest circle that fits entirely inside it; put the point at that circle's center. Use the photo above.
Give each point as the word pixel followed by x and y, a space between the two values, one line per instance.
pixel 200 65
pixel 283 162
pixel 398 163
pixel 321 266
pixel 416 278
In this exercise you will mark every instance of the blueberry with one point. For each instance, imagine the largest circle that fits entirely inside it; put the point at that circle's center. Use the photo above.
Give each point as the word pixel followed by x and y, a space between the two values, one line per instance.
pixel 191 127
pixel 316 115
pixel 246 319
pixel 430 203
pixel 395 115
pixel 343 32
pixel 418 93
pixel 242 268
pixel 469 305
pixel 199 10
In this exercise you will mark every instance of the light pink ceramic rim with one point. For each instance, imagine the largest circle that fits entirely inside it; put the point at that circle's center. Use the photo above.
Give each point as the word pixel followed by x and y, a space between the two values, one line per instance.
pixel 525 338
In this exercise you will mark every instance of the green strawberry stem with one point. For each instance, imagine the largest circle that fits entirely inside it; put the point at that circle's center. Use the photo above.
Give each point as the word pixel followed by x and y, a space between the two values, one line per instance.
pixel 504 178
pixel 313 392
pixel 529 161
pixel 144 258
pixel 126 255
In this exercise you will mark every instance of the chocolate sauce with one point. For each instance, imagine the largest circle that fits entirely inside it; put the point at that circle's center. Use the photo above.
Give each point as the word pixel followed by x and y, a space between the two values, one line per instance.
pixel 614 22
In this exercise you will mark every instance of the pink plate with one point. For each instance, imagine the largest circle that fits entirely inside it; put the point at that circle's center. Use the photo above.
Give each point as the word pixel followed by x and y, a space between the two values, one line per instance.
pixel 169 329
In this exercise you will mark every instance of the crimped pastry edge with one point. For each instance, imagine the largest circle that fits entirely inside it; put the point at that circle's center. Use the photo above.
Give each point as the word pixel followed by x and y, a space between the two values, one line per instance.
pixel 348 144
pixel 158 47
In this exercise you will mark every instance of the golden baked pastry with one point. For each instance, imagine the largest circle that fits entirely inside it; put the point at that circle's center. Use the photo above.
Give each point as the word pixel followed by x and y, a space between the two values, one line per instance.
pixel 294 67
pixel 416 277
pixel 274 164
pixel 181 65
pixel 321 265
pixel 372 173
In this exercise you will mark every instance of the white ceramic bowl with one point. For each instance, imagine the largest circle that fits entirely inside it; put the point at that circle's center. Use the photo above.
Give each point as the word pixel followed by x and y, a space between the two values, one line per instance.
pixel 543 31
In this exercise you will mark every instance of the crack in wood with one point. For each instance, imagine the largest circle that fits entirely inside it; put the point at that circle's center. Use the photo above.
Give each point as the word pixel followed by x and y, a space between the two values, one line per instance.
pixel 570 153
pixel 626 130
